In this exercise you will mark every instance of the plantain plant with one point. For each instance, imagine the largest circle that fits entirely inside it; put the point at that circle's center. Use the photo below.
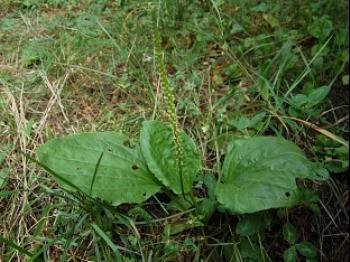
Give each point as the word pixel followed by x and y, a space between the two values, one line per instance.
pixel 258 173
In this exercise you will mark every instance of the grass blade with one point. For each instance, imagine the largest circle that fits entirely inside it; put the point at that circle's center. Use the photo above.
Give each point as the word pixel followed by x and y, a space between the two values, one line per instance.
pixel 15 246
pixel 95 172
pixel 108 241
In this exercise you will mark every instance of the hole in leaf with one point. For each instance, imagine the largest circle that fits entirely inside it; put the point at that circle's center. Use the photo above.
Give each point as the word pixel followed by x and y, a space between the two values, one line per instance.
pixel 109 150
pixel 135 167
pixel 287 194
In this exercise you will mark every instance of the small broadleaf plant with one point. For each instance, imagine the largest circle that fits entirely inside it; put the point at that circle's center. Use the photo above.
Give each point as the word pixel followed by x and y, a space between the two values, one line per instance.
pixel 258 173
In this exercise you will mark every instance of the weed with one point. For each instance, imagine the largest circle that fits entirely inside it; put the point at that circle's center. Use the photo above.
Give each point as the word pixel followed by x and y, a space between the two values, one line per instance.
pixel 238 72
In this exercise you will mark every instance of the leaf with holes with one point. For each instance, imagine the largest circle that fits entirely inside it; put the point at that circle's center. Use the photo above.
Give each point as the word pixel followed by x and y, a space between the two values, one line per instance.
pixel 158 148
pixel 259 173
pixel 100 165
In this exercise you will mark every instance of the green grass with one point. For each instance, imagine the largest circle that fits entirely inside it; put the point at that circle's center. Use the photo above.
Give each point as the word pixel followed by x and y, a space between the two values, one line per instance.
pixel 237 68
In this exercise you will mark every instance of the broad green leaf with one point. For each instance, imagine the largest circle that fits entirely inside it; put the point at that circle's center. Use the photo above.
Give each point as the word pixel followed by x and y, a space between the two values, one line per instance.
pixel 290 255
pixel 176 228
pixel 290 233
pixel 259 173
pixel 179 203
pixel 233 71
pixel 260 8
pixel 308 196
pixel 139 213
pixel 307 249
pixel 236 28
pixel 271 20
pixel 243 122
pixel 209 181
pixel 318 95
pixel 206 208
pixel 321 28
pixel 337 166
pixel 320 51
pixel 158 148
pixel 121 177
pixel 35 51
pixel 252 223
pixel 250 250
pixel 314 98
pixel 299 100
pixel 315 209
